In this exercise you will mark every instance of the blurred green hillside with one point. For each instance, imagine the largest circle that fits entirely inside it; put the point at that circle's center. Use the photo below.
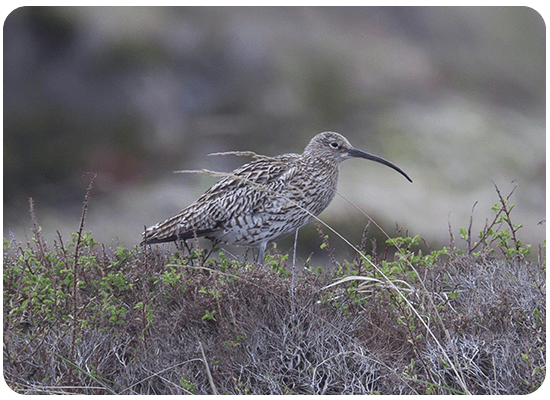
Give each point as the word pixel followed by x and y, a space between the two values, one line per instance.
pixel 455 96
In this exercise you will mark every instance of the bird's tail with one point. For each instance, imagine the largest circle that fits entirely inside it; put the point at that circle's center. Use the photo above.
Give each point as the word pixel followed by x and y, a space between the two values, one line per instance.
pixel 178 227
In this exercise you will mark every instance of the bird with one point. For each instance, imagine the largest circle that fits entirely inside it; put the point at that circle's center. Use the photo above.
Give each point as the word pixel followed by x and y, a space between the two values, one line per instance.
pixel 265 199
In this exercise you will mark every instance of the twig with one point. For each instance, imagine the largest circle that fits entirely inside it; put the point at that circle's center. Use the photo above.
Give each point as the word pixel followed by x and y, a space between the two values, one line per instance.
pixel 75 270
pixel 103 386
pixel 239 154
pixel 158 374
pixel 210 380
pixel 469 241
pixel 507 211
pixel 36 231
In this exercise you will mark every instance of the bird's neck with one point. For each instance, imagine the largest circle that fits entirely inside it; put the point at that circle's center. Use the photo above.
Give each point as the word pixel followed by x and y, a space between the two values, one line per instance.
pixel 322 169
pixel 327 163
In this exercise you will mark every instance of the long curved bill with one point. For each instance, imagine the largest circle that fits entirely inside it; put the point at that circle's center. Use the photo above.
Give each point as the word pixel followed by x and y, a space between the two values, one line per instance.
pixel 353 152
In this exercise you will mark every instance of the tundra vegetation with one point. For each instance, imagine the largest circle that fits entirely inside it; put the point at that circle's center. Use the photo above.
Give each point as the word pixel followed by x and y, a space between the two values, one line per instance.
pixel 83 317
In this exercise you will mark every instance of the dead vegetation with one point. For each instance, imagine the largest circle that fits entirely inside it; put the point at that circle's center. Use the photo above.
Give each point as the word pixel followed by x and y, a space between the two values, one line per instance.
pixel 83 318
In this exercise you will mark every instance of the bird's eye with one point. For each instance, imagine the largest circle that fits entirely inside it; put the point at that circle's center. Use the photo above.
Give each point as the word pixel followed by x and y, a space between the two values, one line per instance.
pixel 334 145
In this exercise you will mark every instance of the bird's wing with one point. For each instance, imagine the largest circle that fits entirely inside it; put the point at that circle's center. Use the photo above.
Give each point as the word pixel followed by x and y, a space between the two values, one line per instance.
pixel 243 192
pixel 248 189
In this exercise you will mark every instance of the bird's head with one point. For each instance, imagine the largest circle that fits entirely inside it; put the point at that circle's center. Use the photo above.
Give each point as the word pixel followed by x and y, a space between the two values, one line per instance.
pixel 335 147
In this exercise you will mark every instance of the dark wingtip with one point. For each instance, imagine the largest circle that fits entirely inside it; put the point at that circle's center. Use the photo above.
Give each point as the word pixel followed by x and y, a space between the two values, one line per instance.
pixel 172 238
pixel 181 236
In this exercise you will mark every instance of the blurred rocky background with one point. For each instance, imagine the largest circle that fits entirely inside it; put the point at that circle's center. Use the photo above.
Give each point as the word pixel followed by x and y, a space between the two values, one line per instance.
pixel 455 96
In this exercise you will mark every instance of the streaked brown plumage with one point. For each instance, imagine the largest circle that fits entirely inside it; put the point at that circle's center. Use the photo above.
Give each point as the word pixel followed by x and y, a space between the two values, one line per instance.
pixel 265 199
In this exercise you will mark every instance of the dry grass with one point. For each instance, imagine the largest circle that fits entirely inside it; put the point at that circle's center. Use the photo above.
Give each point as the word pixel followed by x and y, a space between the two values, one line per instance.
pixel 83 318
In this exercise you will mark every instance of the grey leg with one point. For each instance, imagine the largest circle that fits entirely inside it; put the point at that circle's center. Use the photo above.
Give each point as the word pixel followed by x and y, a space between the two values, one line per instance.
pixel 261 253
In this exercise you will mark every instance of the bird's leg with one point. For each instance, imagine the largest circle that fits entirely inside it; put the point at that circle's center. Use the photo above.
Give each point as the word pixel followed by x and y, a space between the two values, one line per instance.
pixel 215 243
pixel 294 254
pixel 292 288
pixel 261 253
pixel 181 245
pixel 294 262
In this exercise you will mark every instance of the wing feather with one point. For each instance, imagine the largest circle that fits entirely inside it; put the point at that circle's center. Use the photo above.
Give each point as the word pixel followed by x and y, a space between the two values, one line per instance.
pixel 249 190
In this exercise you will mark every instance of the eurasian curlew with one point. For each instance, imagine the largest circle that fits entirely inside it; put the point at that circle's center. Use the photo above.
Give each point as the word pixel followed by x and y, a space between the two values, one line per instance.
pixel 265 199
